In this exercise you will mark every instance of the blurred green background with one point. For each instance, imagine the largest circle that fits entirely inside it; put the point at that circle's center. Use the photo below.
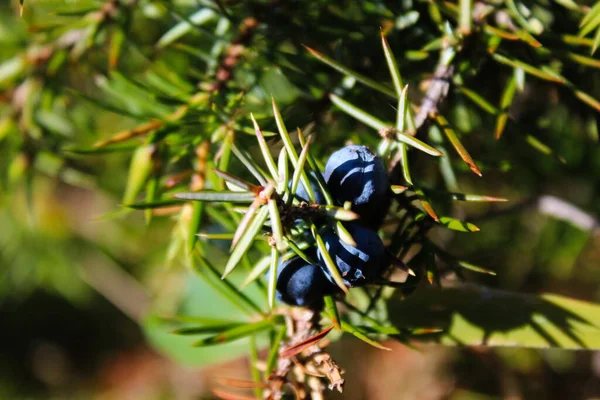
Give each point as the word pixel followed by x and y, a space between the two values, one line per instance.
pixel 82 282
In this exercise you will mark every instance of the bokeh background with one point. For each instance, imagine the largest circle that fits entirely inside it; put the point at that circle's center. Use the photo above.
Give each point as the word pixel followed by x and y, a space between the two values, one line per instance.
pixel 81 281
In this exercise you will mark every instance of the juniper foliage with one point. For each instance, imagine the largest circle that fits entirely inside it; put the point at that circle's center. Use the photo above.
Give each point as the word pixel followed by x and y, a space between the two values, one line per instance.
pixel 212 114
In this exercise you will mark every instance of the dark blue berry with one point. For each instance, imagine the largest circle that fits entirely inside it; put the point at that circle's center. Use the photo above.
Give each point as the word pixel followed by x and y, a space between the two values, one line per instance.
pixel 358 265
pixel 300 283
pixel 302 194
pixel 356 174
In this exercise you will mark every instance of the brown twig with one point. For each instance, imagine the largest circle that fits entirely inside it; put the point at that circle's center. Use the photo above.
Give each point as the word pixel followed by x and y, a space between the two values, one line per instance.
pixel 309 366
pixel 436 93
pixel 233 54
pixel 551 206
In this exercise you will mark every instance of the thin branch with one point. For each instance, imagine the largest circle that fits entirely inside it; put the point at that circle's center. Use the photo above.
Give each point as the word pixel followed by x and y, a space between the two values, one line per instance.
pixel 551 206
pixel 436 93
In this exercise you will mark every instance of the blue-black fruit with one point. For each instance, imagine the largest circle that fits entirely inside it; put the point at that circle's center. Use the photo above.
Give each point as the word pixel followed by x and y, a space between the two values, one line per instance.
pixel 358 265
pixel 302 194
pixel 300 283
pixel 356 174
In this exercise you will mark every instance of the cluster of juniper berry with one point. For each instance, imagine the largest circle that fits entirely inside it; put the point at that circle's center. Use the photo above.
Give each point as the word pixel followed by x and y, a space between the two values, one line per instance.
pixel 353 174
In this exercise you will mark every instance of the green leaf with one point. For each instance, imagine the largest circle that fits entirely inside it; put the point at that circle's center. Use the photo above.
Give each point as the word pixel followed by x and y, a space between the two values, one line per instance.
pixel 416 55
pixel 289 146
pixel 194 296
pixel 298 251
pixel 341 214
pixel 403 116
pixel 252 132
pixel 116 46
pixel 256 378
pixel 215 236
pixel 7 126
pixel 204 268
pixel 346 71
pixel 200 17
pixel 274 350
pixel 471 316
pixel 245 222
pixel 173 86
pixel 277 85
pixel 259 269
pixel 478 100
pixel 154 204
pixel 507 97
pixel 273 277
pixel 133 97
pixel 542 147
pixel 384 330
pixel 177 348
pixel 392 65
pixel 460 149
pixel 528 68
pixel 236 333
pixel 426 204
pixel 466 19
pixel 264 148
pixel 252 167
pixel 283 133
pixel 152 192
pixel 404 162
pixel 194 225
pixel 417 144
pixel 225 158
pixel 246 240
pixel 357 113
pixel 332 312
pixel 583 60
pixel 458 225
pixel 320 180
pixel 344 235
pixel 515 12
pixel 347 327
pixel 398 189
pixel 431 270
pixel 189 319
pixel 108 106
pixel 331 267
pixel 573 40
pixel 139 171
pixel 12 69
pixel 403 106
pixel 467 197
pixel 276 227
pixel 375 123
pixel 220 215
pixel 596 42
pixel 240 183
pixel 206 329
pixel 590 22
pixel 299 170
pixel 55 123
pixel 492 30
pixel 284 171
pixel 446 168
pixel 125 148
pixel 593 13
pixel 587 99
pixel 475 268
pixel 218 196
pixel 526 37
